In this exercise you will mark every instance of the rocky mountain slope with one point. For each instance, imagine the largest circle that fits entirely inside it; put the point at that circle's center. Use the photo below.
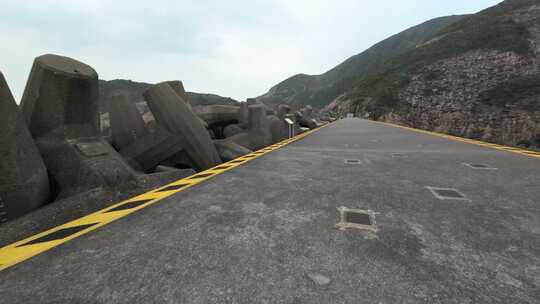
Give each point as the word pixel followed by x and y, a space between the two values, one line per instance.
pixel 477 78
pixel 134 90
pixel 319 90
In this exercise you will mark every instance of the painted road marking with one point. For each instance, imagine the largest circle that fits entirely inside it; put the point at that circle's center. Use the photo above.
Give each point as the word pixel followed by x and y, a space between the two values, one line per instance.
pixel 467 140
pixel 24 249
pixel 129 205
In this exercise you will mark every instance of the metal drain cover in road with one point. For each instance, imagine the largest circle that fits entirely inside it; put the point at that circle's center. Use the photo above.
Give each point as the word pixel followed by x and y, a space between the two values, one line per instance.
pixel 356 218
pixel 447 193
pixel 479 166
pixel 353 161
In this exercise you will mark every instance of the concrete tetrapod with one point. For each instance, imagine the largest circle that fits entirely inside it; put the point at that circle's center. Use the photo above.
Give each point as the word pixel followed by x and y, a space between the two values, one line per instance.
pixel 229 150
pixel 60 104
pixel 243 115
pixel 178 87
pixel 148 152
pixel 303 122
pixel 258 128
pixel 278 128
pixel 126 122
pixel 173 113
pixel 283 110
pixel 218 114
pixel 24 185
pixel 232 130
pixel 61 92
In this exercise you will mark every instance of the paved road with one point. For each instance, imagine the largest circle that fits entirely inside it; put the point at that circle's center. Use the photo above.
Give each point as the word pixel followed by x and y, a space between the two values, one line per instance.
pixel 265 232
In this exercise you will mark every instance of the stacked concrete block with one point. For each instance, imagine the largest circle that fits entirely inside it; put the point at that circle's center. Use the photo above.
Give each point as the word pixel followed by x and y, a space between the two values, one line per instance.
pixel 80 164
pixel 60 104
pixel 278 128
pixel 270 111
pixel 229 150
pixel 232 130
pixel 241 139
pixel 307 112
pixel 151 150
pixel 24 185
pixel 258 127
pixel 126 122
pixel 218 114
pixel 303 122
pixel 61 98
pixel 243 115
pixel 173 114
pixel 282 111
pixel 178 87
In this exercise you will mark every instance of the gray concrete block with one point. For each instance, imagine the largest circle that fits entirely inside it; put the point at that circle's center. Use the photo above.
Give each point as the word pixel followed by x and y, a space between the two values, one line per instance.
pixel 24 185
pixel 231 130
pixel 78 165
pixel 218 114
pixel 307 112
pixel 162 168
pixel 60 104
pixel 146 153
pixel 178 87
pixel 283 110
pixel 258 127
pixel 243 115
pixel 241 139
pixel 303 122
pixel 126 122
pixel 61 98
pixel 173 113
pixel 229 150
pixel 278 128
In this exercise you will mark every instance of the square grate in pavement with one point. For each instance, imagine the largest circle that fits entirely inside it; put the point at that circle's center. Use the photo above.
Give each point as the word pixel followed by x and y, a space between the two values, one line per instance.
pixel 480 166
pixel 353 161
pixel 447 193
pixel 356 218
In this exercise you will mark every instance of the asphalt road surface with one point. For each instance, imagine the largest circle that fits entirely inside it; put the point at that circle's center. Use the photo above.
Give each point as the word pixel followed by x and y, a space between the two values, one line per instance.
pixel 265 232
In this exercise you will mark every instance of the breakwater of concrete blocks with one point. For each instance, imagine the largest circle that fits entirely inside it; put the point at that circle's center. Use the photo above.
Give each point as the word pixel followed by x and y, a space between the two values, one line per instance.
pixel 53 149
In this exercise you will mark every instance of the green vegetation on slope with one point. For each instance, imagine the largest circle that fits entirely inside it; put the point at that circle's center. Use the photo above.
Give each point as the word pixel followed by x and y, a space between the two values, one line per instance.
pixel 521 92
pixel 488 30
pixel 319 90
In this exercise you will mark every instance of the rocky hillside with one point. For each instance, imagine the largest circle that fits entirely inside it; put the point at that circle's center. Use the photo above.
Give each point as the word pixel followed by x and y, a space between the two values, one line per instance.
pixel 319 90
pixel 134 91
pixel 477 78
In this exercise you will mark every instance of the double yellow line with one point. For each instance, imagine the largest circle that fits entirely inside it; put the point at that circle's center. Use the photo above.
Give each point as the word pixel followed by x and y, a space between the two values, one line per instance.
pixel 36 244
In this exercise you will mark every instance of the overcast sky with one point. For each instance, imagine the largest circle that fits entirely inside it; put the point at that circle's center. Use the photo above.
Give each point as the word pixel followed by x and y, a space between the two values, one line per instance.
pixel 236 48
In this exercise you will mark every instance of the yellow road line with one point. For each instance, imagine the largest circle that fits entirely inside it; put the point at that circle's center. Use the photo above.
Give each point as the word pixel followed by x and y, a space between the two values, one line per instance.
pixel 467 140
pixel 36 244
